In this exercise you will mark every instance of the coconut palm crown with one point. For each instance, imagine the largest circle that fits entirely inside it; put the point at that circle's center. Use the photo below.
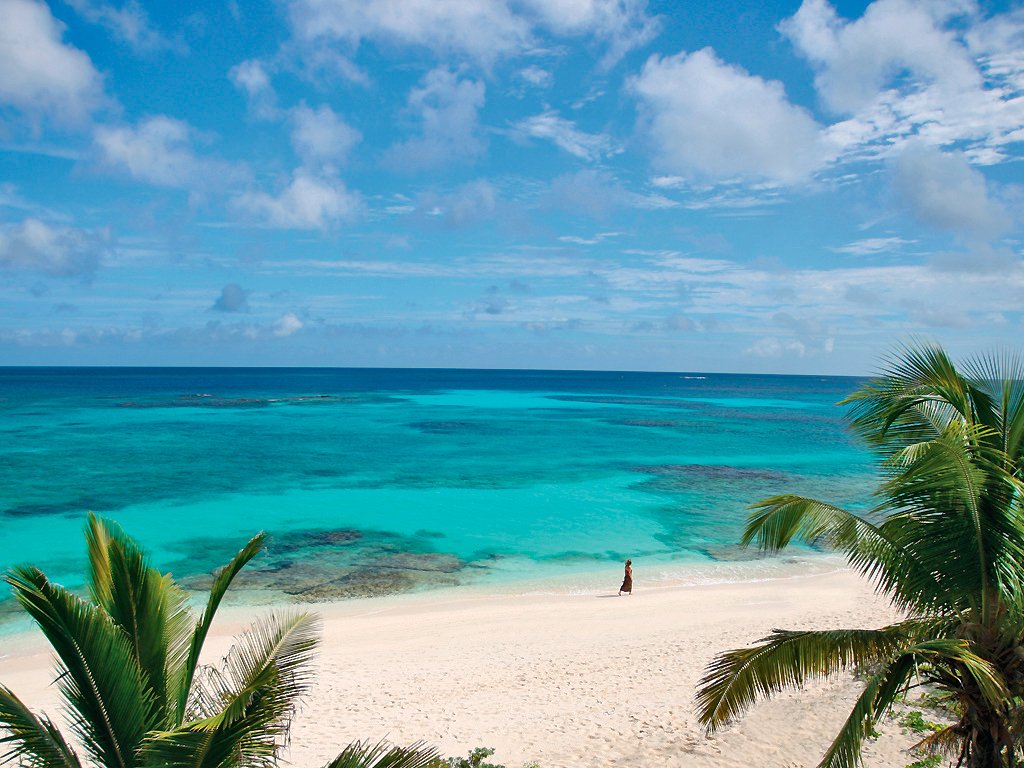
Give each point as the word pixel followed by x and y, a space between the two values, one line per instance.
pixel 135 693
pixel 944 541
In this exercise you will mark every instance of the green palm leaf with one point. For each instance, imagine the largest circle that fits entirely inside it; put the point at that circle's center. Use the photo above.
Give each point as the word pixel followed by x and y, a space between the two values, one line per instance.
pixel 383 755
pixel 150 609
pixel 217 591
pixel 878 696
pixel 30 740
pixel 945 541
pixel 256 692
pixel 110 707
pixel 735 679
pixel 895 569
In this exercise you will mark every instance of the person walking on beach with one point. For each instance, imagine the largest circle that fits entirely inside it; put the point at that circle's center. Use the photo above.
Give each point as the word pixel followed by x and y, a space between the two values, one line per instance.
pixel 627 580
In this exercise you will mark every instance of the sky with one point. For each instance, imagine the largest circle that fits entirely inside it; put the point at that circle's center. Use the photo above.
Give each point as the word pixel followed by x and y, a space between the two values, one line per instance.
pixel 710 185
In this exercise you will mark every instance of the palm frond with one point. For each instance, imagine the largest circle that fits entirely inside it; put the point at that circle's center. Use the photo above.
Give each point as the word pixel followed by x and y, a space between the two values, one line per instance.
pixel 786 659
pixel 384 755
pixel 985 676
pixel 893 568
pixel 918 395
pixel 283 644
pixel 944 742
pixel 878 696
pixel 265 673
pixel 1002 377
pixel 951 503
pixel 147 606
pixel 220 586
pixel 31 741
pixel 110 707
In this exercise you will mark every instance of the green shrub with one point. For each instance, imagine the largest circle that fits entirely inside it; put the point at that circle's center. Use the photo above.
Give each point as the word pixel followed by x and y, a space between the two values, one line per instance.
pixel 914 721
pixel 475 759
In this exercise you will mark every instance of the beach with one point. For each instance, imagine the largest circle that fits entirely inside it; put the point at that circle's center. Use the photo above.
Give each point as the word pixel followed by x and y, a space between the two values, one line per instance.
pixel 557 679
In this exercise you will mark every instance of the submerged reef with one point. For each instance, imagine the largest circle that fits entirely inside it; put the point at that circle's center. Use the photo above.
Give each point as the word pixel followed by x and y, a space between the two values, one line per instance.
pixel 683 478
pixel 319 565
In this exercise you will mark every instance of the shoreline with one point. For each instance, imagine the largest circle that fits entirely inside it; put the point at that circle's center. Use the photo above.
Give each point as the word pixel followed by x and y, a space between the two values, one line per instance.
pixel 237 607
pixel 560 679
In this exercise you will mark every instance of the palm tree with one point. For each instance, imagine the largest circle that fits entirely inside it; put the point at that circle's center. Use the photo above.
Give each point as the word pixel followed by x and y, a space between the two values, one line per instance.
pixel 944 541
pixel 128 671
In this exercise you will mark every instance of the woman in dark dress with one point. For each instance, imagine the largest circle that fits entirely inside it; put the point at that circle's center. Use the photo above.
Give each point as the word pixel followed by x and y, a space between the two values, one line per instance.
pixel 627 581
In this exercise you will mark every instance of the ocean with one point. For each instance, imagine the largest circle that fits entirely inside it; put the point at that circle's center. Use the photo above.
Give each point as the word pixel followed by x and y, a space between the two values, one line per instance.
pixel 379 481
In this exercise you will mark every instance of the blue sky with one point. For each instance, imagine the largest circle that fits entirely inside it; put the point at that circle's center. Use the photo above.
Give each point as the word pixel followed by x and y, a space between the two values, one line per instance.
pixel 604 184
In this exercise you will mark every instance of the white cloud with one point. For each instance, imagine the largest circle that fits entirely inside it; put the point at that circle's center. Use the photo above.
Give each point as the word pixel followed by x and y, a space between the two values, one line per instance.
pixel 251 76
pixel 932 70
pixel 41 75
pixel 287 324
pixel 625 24
pixel 943 191
pixel 317 59
pixel 773 347
pixel 855 59
pixel 715 121
pixel 159 151
pixel 320 136
pixel 537 76
pixel 564 134
pixel 872 245
pixel 308 202
pixel 34 246
pixel 481 30
pixel 129 23
pixel 448 108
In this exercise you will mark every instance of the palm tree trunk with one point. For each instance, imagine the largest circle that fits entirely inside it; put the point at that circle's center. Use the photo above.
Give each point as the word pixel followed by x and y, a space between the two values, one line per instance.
pixel 984 753
pixel 986 743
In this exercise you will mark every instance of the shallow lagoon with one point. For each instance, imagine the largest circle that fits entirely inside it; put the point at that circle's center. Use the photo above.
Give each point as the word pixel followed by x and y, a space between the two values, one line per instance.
pixel 378 481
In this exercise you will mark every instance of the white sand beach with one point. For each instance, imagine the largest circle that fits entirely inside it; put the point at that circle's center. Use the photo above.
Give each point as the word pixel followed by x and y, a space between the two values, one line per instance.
pixel 560 680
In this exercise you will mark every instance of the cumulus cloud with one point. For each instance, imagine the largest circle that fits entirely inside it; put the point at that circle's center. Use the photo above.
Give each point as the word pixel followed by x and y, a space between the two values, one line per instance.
pixel 943 191
pixel 159 150
pixel 307 202
pixel 565 135
pixel 715 121
pixel 36 247
pixel 855 59
pixel 42 75
pixel 481 30
pixel 625 24
pixel 320 136
pixel 128 23
pixel 233 298
pixel 448 107
pixel 287 324
pixel 936 71
pixel 252 78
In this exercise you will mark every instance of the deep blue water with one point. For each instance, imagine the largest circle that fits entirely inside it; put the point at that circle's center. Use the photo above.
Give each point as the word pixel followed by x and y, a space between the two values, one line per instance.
pixel 374 480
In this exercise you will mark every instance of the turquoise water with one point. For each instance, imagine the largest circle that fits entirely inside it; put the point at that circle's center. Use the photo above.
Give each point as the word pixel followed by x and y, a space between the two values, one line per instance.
pixel 379 481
